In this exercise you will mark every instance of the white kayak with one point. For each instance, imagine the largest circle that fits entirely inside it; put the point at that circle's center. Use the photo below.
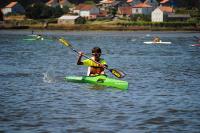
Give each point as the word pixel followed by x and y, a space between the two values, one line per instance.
pixel 195 45
pixel 33 35
pixel 161 42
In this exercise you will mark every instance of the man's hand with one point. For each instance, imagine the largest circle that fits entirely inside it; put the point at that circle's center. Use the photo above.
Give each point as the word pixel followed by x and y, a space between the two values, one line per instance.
pixel 104 66
pixel 81 54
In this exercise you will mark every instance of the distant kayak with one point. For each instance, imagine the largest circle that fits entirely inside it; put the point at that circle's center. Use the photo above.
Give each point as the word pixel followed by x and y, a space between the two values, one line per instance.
pixel 36 39
pixel 150 42
pixel 99 80
pixel 33 35
pixel 30 39
pixel 195 45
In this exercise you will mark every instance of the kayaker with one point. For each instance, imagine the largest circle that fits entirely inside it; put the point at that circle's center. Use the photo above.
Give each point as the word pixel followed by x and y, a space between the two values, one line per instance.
pixel 39 37
pixel 93 68
pixel 156 39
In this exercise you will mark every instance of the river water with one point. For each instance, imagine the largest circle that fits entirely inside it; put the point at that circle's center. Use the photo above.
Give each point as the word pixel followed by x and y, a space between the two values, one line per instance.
pixel 163 93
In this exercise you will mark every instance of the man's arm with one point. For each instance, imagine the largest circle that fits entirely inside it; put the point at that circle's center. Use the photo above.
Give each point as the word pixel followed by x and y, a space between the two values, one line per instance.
pixel 79 62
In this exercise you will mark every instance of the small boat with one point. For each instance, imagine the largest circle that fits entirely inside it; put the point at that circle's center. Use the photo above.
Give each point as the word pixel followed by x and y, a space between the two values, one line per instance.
pixel 33 35
pixel 151 42
pixel 37 39
pixel 99 80
pixel 30 39
pixel 195 45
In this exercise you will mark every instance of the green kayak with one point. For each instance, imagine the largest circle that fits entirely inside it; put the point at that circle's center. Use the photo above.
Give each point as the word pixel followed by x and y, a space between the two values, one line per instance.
pixel 99 80
pixel 36 39
pixel 31 39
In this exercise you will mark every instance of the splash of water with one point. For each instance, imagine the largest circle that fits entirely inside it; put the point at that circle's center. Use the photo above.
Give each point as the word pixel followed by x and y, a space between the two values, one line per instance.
pixel 49 76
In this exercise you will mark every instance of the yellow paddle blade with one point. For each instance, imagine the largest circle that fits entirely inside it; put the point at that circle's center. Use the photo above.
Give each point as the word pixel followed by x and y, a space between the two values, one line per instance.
pixel 63 41
pixel 117 73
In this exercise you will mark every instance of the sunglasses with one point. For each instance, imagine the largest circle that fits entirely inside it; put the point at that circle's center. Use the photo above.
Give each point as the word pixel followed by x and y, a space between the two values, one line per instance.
pixel 96 54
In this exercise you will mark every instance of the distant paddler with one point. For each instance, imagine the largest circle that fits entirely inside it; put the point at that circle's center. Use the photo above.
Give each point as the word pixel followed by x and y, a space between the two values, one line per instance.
pixel 198 42
pixel 34 37
pixel 156 39
pixel 39 37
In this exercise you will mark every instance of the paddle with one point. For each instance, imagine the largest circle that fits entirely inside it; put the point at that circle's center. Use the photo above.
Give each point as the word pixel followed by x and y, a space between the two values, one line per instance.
pixel 196 37
pixel 115 72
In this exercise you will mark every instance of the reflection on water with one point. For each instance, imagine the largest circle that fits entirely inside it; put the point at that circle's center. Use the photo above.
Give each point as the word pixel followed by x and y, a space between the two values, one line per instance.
pixel 163 93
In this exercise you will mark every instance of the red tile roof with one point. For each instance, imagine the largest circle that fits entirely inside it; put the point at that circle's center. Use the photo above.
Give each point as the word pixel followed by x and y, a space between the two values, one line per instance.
pixel 125 10
pixel 12 4
pixel 107 1
pixel 50 1
pixel 102 14
pixel 166 9
pixel 129 1
pixel 142 5
pixel 84 7
pixel 164 1
pixel 63 1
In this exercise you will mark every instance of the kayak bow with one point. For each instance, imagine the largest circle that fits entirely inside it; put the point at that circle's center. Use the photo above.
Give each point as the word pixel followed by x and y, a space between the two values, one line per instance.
pixel 157 42
pixel 99 80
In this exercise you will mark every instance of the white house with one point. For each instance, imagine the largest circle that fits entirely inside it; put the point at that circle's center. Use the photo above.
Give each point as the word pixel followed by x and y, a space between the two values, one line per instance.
pixel 66 19
pixel 142 8
pixel 160 13
pixel 87 11
pixel 13 7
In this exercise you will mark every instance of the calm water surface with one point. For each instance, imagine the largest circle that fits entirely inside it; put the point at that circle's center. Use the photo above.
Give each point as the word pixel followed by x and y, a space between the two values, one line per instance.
pixel 163 94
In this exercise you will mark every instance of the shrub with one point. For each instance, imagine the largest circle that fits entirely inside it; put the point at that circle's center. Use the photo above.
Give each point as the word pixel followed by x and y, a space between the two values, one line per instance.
pixel 140 17
pixel 80 20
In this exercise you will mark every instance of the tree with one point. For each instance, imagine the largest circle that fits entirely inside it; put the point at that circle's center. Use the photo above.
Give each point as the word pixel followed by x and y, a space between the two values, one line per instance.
pixel 91 2
pixel 34 11
pixel 80 20
pixel 65 9
pixel 187 3
pixel 57 12
pixel 76 1
pixel 38 11
pixel 47 12
pixel 113 11
pixel 1 16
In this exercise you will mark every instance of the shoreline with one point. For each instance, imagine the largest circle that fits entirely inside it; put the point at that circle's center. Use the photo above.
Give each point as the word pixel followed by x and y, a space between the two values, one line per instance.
pixel 91 27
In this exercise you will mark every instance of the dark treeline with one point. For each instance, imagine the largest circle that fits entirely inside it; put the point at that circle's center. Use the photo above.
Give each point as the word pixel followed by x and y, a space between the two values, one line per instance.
pixel 24 3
